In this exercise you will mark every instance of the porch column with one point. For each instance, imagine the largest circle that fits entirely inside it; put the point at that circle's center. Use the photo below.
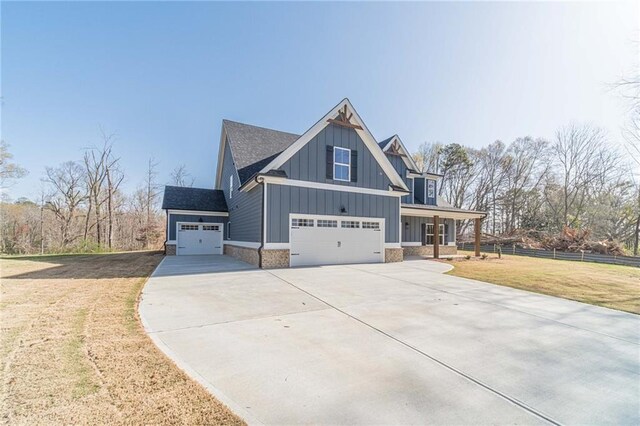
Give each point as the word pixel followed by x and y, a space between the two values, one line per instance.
pixel 477 239
pixel 436 237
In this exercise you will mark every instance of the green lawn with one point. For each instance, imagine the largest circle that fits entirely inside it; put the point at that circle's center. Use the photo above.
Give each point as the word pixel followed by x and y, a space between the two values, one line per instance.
pixel 612 286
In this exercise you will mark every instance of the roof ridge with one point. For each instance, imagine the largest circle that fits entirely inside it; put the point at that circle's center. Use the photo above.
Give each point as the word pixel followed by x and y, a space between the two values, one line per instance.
pixel 259 127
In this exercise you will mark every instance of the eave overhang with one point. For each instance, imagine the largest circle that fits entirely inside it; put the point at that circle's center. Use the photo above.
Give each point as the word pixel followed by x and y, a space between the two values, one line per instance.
pixel 421 210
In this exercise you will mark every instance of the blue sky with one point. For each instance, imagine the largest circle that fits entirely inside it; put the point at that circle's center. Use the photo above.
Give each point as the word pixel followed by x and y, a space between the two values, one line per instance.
pixel 162 75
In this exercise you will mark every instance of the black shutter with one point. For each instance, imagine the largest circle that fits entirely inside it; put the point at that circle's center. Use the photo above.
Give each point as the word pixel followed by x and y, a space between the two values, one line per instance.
pixel 423 234
pixel 354 166
pixel 329 162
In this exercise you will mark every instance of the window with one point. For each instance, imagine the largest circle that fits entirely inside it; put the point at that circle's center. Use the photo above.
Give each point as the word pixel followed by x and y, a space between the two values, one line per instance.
pixel 301 222
pixel 231 186
pixel 431 189
pixel 430 234
pixel 341 164
pixel 210 228
pixel 350 224
pixel 185 227
pixel 327 223
pixel 370 225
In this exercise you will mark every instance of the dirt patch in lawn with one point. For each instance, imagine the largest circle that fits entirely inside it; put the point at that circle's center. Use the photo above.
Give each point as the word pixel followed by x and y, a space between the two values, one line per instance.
pixel 73 350
pixel 611 286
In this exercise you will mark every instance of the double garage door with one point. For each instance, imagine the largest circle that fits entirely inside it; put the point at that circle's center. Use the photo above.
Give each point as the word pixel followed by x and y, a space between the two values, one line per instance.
pixel 199 238
pixel 328 240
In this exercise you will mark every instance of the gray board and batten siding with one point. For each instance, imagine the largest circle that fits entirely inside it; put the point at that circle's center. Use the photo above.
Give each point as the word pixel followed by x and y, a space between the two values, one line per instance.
pixel 283 200
pixel 175 218
pixel 310 162
pixel 244 207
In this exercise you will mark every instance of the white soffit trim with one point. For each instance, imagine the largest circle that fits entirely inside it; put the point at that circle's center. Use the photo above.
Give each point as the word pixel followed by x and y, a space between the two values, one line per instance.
pixel 277 246
pixel 198 213
pixel 407 211
pixel 332 187
pixel 364 134
pixel 223 142
pixel 408 159
pixel 248 244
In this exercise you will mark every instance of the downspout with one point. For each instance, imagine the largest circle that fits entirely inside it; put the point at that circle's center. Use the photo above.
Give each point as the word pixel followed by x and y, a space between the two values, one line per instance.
pixel 166 228
pixel 260 180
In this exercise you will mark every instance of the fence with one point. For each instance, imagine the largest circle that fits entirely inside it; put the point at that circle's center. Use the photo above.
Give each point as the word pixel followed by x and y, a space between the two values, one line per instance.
pixel 556 254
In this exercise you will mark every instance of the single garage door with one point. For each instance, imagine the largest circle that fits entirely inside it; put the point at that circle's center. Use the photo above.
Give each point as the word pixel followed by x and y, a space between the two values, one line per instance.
pixel 327 240
pixel 199 238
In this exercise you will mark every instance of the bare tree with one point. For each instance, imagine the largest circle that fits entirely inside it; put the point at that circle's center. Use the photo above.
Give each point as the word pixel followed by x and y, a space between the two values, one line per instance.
pixel 181 177
pixel 582 157
pixel 150 200
pixel 66 197
pixel 8 170
pixel 427 157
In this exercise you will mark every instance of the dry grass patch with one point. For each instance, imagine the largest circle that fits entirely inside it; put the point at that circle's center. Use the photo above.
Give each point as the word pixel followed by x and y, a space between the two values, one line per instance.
pixel 612 286
pixel 73 350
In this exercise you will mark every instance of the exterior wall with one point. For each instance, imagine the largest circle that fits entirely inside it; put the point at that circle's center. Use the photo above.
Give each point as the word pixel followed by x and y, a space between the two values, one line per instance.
pixel 413 233
pixel 275 258
pixel 399 165
pixel 392 255
pixel 246 254
pixel 245 208
pixel 428 251
pixel 282 200
pixel 309 163
pixel 170 249
pixel 174 218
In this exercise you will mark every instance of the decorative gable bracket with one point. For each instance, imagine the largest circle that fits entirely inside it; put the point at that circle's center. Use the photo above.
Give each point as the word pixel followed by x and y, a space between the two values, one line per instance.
pixel 343 120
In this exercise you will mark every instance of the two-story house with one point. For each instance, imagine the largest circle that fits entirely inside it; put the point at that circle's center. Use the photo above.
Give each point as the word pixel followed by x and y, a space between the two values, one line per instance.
pixel 331 195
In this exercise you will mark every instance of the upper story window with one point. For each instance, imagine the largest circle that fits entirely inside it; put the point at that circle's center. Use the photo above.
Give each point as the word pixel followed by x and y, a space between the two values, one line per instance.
pixel 341 164
pixel 231 186
pixel 431 189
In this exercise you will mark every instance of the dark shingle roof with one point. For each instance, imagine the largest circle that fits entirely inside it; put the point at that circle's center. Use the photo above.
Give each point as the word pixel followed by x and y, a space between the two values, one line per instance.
pixel 254 147
pixel 200 199
pixel 384 143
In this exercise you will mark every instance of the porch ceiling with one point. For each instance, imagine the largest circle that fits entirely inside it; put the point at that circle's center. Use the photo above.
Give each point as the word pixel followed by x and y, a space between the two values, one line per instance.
pixel 443 212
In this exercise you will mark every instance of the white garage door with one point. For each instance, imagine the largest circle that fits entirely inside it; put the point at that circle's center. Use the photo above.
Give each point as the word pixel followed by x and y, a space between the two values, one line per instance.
pixel 327 240
pixel 199 238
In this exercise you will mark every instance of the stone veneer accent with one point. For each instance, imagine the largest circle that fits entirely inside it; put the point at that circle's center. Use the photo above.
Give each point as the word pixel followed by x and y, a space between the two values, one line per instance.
pixel 393 255
pixel 170 249
pixel 246 254
pixel 428 250
pixel 275 258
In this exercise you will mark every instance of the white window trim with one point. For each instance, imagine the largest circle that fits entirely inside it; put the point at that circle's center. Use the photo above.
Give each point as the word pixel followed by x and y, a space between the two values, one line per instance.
pixel 230 186
pixel 431 184
pixel 335 163
pixel 441 236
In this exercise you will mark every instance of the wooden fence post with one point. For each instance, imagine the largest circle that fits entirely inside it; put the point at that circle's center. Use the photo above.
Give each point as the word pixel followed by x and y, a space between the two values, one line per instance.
pixel 554 252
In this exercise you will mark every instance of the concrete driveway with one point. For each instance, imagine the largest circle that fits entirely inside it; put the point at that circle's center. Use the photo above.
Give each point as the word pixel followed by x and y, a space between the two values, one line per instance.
pixel 391 343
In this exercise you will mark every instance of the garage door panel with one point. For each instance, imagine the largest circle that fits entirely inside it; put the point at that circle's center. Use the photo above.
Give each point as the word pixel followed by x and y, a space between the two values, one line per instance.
pixel 199 238
pixel 320 240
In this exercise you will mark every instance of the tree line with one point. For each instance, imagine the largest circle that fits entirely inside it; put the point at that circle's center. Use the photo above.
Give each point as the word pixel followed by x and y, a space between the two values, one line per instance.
pixel 82 206
pixel 577 180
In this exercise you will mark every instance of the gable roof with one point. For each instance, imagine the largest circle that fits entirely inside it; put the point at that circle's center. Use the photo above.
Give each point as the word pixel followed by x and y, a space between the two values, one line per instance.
pixel 199 199
pixel 359 127
pixel 384 143
pixel 406 157
pixel 253 147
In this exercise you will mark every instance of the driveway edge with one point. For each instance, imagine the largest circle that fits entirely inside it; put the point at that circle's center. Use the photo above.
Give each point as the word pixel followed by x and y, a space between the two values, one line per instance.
pixel 190 372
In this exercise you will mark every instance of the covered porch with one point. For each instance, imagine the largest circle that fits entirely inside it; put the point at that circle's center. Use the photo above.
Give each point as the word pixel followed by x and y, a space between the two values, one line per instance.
pixel 431 230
